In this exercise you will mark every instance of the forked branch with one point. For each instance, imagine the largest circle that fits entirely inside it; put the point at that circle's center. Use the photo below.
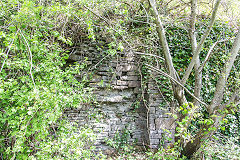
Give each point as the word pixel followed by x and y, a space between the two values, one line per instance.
pixel 218 95
pixel 200 45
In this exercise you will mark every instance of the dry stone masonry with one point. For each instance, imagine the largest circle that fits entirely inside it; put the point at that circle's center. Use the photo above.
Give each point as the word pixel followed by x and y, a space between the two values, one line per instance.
pixel 158 120
pixel 117 88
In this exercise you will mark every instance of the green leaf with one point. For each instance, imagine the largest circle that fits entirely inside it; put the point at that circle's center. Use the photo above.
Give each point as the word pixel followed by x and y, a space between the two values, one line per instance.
pixel 12 28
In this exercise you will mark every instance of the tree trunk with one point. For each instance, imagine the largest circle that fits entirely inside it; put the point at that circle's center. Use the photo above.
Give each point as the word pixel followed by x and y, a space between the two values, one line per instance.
pixel 192 146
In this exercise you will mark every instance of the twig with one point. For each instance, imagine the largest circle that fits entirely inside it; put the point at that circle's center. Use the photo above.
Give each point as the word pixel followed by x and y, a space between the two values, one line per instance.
pixel 201 43
pixel 95 66
pixel 8 51
pixel 30 54
pixel 107 23
pixel 165 74
pixel 210 52
pixel 146 54
pixel 144 10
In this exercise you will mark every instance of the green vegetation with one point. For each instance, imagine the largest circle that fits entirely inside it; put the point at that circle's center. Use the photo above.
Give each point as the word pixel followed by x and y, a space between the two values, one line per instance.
pixel 34 88
pixel 36 85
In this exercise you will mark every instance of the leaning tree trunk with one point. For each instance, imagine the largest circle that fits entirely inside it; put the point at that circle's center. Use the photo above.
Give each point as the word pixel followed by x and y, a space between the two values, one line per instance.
pixel 191 147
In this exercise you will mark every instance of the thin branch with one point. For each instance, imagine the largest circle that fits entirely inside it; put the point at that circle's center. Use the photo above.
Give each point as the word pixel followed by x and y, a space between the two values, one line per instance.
pixel 30 55
pixel 9 47
pixel 235 100
pixel 106 21
pixel 200 45
pixel 176 81
pixel 192 33
pixel 218 95
pixel 210 52
pixel 144 10
pixel 146 54
pixel 95 66
pixel 178 6
pixel 163 40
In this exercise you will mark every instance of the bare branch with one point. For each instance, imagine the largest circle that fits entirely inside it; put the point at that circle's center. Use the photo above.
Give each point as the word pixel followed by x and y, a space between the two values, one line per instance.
pixel 224 75
pixel 146 54
pixel 106 21
pixel 176 81
pixel 199 47
pixel 193 40
pixel 235 100
pixel 192 33
pixel 8 50
pixel 184 4
pixel 210 52
pixel 163 40
pixel 30 56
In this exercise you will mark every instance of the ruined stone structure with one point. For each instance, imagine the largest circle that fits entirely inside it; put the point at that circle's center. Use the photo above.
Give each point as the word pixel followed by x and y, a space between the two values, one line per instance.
pixel 117 88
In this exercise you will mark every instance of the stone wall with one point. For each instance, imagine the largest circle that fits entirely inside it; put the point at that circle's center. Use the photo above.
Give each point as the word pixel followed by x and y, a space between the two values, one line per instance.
pixel 116 83
pixel 158 120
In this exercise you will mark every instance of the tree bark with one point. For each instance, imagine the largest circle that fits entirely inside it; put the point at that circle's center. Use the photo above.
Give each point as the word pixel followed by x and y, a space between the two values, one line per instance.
pixel 220 87
pixel 200 45
pixel 193 40
pixel 178 91
pixel 191 147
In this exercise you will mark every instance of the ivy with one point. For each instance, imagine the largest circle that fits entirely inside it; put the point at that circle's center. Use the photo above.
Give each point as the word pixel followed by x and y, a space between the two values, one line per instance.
pixel 35 90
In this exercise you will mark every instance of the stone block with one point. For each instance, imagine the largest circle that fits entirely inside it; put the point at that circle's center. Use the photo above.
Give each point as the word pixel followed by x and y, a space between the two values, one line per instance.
pixel 132 73
pixel 98 85
pixel 154 104
pixel 152 109
pixel 154 141
pixel 112 98
pixel 118 127
pixel 156 136
pixel 100 125
pixel 152 91
pixel 154 146
pixel 119 68
pixel 156 96
pixel 103 69
pixel 129 68
pixel 122 83
pixel 113 82
pixel 164 123
pixel 113 64
pixel 152 127
pixel 151 118
pixel 97 130
pixel 133 84
pixel 120 87
pixel 137 136
pixel 123 77
pixel 96 79
pixel 75 57
pixel 104 73
pixel 92 49
pixel 130 78
pixel 102 135
pixel 137 90
pixel 152 132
